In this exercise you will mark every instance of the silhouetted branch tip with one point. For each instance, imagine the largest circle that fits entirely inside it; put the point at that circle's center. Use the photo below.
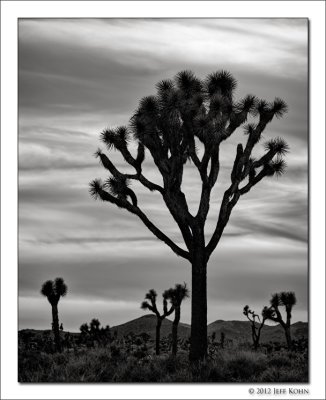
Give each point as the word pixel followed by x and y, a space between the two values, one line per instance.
pixel 261 107
pixel 279 107
pixel 278 167
pixel 164 85
pixel 95 188
pixel 98 153
pixel 117 186
pixel 277 145
pixel 288 298
pixel 221 82
pixel 187 82
pixel 248 104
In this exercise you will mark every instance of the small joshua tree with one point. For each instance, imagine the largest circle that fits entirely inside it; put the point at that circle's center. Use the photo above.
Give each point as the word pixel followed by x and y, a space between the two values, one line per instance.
pixel 287 300
pixel 176 295
pixel 255 329
pixel 84 328
pixel 145 305
pixel 94 326
pixel 53 290
pixel 186 115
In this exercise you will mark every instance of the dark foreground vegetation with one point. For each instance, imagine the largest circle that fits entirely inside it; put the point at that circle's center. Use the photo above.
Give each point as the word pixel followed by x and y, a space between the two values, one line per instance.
pixel 132 358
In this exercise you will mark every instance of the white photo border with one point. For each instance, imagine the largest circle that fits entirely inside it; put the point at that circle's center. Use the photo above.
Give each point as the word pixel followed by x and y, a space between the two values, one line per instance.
pixel 11 11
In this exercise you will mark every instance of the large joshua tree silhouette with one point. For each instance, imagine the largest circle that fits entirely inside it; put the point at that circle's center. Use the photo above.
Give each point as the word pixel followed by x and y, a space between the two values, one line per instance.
pixel 53 291
pixel 287 300
pixel 176 295
pixel 145 305
pixel 186 114
pixel 255 328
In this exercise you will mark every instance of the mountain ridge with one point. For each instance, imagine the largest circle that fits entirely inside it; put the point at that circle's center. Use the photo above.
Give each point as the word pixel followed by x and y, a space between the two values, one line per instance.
pixel 233 330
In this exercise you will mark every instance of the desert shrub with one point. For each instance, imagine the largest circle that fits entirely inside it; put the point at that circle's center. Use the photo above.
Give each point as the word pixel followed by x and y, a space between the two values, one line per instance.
pixel 113 364
pixel 276 374
pixel 246 365
pixel 32 361
pixel 170 364
pixel 115 351
pixel 279 360
pixel 60 359
pixel 131 372
pixel 104 357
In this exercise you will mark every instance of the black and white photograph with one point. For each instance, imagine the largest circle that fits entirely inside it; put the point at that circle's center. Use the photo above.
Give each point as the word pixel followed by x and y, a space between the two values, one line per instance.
pixel 163 200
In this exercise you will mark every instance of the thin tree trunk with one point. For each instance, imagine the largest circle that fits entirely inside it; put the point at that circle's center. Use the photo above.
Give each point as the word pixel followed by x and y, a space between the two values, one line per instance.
pixel 253 335
pixel 175 331
pixel 259 333
pixel 158 332
pixel 288 337
pixel 55 320
pixel 198 339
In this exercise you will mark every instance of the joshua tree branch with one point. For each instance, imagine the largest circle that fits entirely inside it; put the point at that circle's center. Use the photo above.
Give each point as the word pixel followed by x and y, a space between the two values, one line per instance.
pixel 207 181
pixel 138 176
pixel 252 182
pixel 123 203
pixel 236 121
pixel 230 198
pixel 215 168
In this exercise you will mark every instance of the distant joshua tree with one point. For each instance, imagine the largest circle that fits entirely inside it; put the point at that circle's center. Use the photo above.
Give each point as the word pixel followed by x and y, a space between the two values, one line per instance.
pixel 53 290
pixel 176 295
pixel 84 328
pixel 94 326
pixel 145 305
pixel 187 121
pixel 287 300
pixel 255 328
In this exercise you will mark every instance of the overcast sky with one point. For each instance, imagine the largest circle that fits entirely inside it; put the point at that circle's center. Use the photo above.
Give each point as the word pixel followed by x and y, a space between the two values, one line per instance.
pixel 77 77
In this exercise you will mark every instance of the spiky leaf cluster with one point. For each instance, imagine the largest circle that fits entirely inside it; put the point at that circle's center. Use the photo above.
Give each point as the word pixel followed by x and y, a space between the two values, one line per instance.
pixel 275 300
pixel 188 83
pixel 53 290
pixel 145 305
pixel 115 138
pixel 287 298
pixel 221 82
pixel 262 107
pixel 268 313
pixel 279 107
pixel 276 167
pixel 118 187
pixel 248 104
pixel 277 146
pixel 151 295
pixel 95 188
pixel 177 294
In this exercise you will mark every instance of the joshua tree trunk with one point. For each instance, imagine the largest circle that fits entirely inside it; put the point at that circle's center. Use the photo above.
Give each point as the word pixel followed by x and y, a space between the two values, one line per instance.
pixel 55 320
pixel 175 331
pixel 288 337
pixel 198 348
pixel 158 333
pixel 258 334
pixel 254 336
pixel 256 341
